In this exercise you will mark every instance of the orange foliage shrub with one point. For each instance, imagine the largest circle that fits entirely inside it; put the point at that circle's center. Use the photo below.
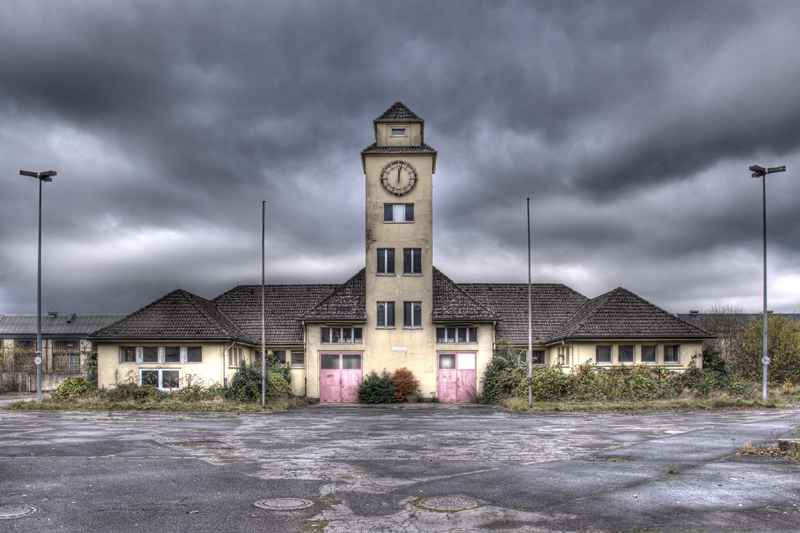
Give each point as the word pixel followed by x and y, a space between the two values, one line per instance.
pixel 404 384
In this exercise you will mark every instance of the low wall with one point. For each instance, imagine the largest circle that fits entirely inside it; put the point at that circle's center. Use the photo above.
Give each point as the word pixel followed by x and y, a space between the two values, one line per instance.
pixel 23 382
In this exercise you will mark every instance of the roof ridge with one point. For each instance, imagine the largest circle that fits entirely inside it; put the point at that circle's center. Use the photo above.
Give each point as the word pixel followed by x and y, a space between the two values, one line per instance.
pixel 465 293
pixel 192 298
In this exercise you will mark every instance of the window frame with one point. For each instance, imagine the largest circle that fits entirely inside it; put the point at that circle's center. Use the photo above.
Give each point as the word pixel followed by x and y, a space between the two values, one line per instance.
pixel 676 355
pixel 610 354
pixel 382 315
pixel 160 382
pixel 412 315
pixel 356 335
pixel 394 132
pixel 655 353
pixel 388 256
pixel 632 354
pixel 443 334
pixel 391 210
pixel 412 260
pixel 302 358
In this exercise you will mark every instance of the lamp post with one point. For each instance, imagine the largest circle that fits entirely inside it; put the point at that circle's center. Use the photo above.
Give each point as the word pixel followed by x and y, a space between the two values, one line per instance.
pixel 761 172
pixel 41 176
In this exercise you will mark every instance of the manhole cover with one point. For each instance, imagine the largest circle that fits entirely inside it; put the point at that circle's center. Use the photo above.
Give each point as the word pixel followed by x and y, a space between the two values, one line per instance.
pixel 7 512
pixel 447 503
pixel 283 504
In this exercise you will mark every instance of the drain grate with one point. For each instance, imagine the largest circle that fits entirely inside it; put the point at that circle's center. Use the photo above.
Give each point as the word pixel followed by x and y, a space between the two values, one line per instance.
pixel 447 503
pixel 284 504
pixel 9 512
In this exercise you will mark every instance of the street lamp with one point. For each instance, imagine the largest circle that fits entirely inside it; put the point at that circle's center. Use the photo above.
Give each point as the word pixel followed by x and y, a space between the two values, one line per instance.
pixel 41 176
pixel 761 172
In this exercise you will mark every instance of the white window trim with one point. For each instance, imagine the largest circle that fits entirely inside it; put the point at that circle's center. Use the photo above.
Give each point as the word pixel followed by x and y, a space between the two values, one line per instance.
pixel 641 353
pixel 414 313
pixel 160 374
pixel 611 354
pixel 678 349
pixel 394 212
pixel 401 130
pixel 291 358
pixel 394 314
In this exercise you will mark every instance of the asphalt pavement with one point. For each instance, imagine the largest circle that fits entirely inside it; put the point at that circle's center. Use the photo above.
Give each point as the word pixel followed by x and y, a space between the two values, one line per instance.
pixel 403 468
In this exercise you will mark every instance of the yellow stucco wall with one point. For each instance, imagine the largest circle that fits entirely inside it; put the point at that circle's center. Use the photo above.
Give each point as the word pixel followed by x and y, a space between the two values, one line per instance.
pixel 581 352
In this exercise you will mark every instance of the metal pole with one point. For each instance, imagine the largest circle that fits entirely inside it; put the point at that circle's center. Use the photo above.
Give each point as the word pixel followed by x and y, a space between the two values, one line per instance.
pixel 263 330
pixel 39 306
pixel 530 329
pixel 764 352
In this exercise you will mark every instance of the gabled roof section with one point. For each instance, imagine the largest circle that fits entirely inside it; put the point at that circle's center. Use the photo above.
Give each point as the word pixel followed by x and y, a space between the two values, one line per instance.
pixel 622 314
pixel 348 302
pixel 178 315
pixel 451 302
pixel 552 304
pixel 72 324
pixel 398 111
pixel 283 305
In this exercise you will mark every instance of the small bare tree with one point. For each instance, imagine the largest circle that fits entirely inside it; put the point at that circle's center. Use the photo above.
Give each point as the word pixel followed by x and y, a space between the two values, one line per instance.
pixel 725 321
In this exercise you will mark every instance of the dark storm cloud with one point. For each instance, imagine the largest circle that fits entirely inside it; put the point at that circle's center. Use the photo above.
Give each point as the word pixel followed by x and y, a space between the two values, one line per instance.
pixel 629 124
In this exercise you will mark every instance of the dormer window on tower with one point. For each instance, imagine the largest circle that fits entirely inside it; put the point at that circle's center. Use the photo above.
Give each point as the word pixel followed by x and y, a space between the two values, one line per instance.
pixel 398 132
pixel 395 213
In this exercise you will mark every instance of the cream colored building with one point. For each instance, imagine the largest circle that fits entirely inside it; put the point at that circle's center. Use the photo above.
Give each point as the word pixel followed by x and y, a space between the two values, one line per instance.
pixel 399 311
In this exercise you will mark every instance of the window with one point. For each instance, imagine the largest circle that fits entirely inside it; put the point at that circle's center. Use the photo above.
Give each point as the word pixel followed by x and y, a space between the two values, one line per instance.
pixel 398 132
pixel 603 354
pixel 162 379
pixel 385 314
pixel 385 260
pixel 649 353
pixel 298 358
pixel 127 354
pixel 194 354
pixel 412 314
pixel 412 261
pixel 398 213
pixel 149 355
pixel 461 335
pixel 280 355
pixel 672 353
pixel 172 354
pixel 537 356
pixel 625 354
pixel 340 335
pixel 236 357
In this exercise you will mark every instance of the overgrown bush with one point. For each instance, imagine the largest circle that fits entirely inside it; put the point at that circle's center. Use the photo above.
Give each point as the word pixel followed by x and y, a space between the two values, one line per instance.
pixel 245 386
pixel 783 345
pixel 376 388
pixel 90 368
pixel 505 376
pixel 73 387
pixel 404 384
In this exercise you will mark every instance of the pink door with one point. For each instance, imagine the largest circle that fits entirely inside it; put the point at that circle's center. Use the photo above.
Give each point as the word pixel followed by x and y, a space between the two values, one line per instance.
pixel 458 377
pixel 339 377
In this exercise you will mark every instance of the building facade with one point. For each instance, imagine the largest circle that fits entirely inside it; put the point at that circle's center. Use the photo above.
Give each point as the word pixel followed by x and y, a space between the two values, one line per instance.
pixel 398 311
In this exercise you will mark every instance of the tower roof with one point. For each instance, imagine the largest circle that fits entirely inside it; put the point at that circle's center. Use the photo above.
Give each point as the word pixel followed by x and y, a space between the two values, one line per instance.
pixel 398 111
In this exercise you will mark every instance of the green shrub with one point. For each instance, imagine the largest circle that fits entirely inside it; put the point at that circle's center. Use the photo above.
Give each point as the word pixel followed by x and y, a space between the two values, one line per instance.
pixel 376 388
pixel 245 386
pixel 505 376
pixel 90 368
pixel 404 384
pixel 783 344
pixel 73 387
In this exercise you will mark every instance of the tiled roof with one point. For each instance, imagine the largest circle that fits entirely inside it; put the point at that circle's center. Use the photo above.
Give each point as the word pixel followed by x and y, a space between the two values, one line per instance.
pixel 451 302
pixel 551 304
pixel 348 302
pixel 283 305
pixel 375 149
pixel 399 111
pixel 178 315
pixel 622 314
pixel 62 324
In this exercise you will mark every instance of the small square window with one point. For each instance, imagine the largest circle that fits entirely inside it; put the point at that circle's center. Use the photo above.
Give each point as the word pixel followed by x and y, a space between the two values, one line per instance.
pixel 625 354
pixel 603 354
pixel 649 353
pixel 127 354
pixel 672 353
pixel 298 358
pixel 537 357
pixel 150 354
pixel 280 355
pixel 172 354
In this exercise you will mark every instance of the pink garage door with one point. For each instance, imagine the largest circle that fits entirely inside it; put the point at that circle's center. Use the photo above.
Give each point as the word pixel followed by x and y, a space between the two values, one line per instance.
pixel 339 377
pixel 458 378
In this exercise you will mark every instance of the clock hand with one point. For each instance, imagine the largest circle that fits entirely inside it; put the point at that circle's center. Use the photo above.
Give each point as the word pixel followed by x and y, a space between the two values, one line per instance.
pixel 398 174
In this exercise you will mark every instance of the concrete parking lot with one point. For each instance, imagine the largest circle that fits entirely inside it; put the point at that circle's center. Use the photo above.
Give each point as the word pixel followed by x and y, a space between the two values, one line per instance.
pixel 409 468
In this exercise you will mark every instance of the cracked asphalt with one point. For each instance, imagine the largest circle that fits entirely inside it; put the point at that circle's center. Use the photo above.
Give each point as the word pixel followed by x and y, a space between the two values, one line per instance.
pixel 369 468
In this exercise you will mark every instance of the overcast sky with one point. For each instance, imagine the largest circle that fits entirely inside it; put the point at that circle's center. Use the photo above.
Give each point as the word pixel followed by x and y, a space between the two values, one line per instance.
pixel 630 125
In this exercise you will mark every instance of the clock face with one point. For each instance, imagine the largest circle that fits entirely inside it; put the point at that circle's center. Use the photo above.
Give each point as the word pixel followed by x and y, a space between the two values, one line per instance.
pixel 398 177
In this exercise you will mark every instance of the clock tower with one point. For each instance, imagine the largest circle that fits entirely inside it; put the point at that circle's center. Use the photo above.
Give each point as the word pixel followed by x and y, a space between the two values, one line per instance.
pixel 399 170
